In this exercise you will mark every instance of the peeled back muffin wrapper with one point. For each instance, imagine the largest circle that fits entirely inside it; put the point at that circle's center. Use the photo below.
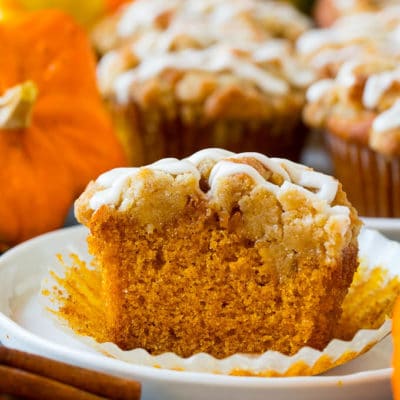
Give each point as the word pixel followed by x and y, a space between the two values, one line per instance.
pixel 375 252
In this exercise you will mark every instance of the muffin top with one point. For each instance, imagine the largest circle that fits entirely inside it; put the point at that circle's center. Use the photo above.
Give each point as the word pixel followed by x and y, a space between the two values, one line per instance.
pixel 361 104
pixel 192 23
pixel 265 194
pixel 222 58
pixel 356 36
pixel 357 94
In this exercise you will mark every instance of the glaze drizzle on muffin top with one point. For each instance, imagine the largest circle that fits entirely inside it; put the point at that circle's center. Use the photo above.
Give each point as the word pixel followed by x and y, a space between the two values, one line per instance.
pixel 319 189
pixel 248 42
pixel 353 36
pixel 178 16
pixel 368 89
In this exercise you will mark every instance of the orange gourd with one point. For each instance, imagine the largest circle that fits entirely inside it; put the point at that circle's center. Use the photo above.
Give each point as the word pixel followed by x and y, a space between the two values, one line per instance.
pixel 113 5
pixel 396 351
pixel 55 135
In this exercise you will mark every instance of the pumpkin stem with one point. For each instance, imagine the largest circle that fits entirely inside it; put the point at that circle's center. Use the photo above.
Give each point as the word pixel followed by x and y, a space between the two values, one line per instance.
pixel 16 106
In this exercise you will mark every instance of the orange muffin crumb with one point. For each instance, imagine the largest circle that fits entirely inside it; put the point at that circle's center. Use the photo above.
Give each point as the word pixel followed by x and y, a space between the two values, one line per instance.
pixel 221 253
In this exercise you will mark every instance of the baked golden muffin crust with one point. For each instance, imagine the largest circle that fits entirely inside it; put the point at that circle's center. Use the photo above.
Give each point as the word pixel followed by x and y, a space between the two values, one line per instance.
pixel 354 37
pixel 221 253
pixel 355 102
pixel 359 112
pixel 195 24
pixel 190 75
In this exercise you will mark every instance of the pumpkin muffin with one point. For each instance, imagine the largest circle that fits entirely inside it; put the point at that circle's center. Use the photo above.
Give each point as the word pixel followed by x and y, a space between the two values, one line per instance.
pixel 221 253
pixel 359 112
pixel 191 23
pixel 180 76
pixel 368 34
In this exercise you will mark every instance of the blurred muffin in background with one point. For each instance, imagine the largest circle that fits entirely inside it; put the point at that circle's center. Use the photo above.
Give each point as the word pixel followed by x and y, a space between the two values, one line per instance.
pixel 352 37
pixel 179 76
pixel 356 103
pixel 359 111
pixel 205 22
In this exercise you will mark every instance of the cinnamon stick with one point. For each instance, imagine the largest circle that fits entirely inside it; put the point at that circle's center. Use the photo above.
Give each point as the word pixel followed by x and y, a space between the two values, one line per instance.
pixel 20 383
pixel 97 383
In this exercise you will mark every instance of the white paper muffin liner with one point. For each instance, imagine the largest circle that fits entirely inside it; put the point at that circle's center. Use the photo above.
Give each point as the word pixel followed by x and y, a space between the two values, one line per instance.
pixel 374 251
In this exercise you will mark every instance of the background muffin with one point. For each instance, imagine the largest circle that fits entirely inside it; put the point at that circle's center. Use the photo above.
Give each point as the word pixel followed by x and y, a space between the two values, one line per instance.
pixel 372 34
pixel 220 253
pixel 203 23
pixel 191 75
pixel 359 112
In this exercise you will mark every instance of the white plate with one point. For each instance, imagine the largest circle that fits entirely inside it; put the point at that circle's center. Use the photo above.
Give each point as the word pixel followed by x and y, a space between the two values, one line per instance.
pixel 390 227
pixel 24 325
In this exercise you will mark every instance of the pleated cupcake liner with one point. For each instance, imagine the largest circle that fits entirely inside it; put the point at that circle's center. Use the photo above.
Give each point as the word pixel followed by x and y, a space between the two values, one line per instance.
pixel 376 251
pixel 371 180
pixel 151 135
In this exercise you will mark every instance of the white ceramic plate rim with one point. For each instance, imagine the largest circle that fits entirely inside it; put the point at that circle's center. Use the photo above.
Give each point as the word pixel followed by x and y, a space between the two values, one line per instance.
pixel 90 360
pixel 382 224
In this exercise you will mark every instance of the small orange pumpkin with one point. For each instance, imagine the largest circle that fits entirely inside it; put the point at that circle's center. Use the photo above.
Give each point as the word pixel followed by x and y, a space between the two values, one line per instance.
pixel 55 135
pixel 396 351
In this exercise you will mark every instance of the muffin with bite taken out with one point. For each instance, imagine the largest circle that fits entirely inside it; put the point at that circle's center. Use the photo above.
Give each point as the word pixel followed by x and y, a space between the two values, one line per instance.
pixel 220 253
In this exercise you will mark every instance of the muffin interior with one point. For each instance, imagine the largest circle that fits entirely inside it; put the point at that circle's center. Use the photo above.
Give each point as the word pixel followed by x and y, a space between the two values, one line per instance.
pixel 191 75
pixel 218 262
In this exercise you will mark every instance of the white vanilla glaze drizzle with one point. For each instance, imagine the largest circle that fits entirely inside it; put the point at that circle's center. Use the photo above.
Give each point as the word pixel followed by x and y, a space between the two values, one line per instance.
pixel 212 59
pixel 320 189
pixel 325 185
pixel 214 154
pixel 378 29
pixel 227 168
pixel 389 119
pixel 344 5
pixel 333 55
pixel 318 89
pixel 270 163
pixel 143 13
pixel 115 181
pixel 347 30
pixel 371 37
pixel 346 77
pixel 220 28
pixel 377 85
pixel 216 58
